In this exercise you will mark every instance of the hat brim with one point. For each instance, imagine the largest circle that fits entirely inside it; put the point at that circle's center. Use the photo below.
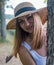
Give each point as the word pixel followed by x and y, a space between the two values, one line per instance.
pixel 42 12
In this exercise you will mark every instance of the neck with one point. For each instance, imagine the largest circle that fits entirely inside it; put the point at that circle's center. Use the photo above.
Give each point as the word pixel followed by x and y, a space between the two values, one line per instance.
pixel 29 38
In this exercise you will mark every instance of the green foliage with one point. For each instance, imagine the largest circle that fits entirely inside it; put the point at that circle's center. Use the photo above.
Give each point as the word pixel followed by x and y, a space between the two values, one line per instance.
pixel 45 1
pixel 11 32
pixel 10 36
pixel 2 2
pixel 2 40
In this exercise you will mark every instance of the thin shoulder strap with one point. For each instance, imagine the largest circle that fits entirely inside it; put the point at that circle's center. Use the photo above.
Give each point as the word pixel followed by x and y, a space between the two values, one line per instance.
pixel 28 47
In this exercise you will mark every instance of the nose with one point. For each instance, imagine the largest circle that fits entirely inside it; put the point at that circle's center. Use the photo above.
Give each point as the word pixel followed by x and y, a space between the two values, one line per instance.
pixel 27 22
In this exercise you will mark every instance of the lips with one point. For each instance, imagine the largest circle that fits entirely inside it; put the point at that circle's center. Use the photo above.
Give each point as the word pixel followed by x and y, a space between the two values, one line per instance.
pixel 28 28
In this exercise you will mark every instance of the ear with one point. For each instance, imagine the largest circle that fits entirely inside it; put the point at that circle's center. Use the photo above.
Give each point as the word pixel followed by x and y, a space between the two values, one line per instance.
pixel 43 15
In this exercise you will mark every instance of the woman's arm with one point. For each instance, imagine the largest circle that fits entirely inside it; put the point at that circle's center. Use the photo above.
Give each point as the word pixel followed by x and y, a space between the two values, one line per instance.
pixel 44 35
pixel 25 57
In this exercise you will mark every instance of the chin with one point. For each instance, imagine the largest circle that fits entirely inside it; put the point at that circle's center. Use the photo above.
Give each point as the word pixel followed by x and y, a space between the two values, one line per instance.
pixel 30 31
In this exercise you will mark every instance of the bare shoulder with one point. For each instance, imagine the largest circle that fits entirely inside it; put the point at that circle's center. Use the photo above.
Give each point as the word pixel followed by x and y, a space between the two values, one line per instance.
pixel 25 57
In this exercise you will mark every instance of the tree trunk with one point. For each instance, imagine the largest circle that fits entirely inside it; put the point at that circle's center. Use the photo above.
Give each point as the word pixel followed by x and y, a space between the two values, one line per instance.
pixel 2 21
pixel 50 33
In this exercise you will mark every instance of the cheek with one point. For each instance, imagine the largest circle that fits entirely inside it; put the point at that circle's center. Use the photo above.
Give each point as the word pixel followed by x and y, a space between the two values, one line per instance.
pixel 22 26
pixel 31 21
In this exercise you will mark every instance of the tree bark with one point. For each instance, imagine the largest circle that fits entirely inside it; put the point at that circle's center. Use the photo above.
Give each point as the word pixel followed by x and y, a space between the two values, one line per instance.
pixel 2 21
pixel 50 33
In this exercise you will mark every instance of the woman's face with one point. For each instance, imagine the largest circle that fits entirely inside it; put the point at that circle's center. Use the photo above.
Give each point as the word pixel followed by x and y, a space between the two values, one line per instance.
pixel 26 23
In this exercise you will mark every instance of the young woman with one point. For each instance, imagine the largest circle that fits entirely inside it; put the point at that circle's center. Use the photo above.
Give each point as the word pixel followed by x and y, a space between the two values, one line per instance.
pixel 30 37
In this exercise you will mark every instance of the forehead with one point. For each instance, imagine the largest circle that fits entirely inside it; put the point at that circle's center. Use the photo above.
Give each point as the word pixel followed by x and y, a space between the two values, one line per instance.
pixel 22 17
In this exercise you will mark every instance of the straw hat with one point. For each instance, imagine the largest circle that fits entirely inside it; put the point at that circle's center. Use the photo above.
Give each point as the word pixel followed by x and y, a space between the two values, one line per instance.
pixel 25 8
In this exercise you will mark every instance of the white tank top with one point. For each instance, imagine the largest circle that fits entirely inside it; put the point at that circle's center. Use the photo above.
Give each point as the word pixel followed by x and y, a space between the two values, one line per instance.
pixel 39 60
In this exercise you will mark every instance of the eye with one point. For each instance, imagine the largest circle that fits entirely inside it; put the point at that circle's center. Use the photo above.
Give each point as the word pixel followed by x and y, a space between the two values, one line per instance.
pixel 29 17
pixel 20 21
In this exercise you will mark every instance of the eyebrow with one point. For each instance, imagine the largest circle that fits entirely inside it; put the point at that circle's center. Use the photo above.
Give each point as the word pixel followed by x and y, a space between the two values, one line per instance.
pixel 24 16
pixel 27 15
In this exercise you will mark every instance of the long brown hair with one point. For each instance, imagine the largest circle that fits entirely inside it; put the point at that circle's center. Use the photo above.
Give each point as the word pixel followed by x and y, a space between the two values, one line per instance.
pixel 20 35
pixel 36 43
pixel 37 31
